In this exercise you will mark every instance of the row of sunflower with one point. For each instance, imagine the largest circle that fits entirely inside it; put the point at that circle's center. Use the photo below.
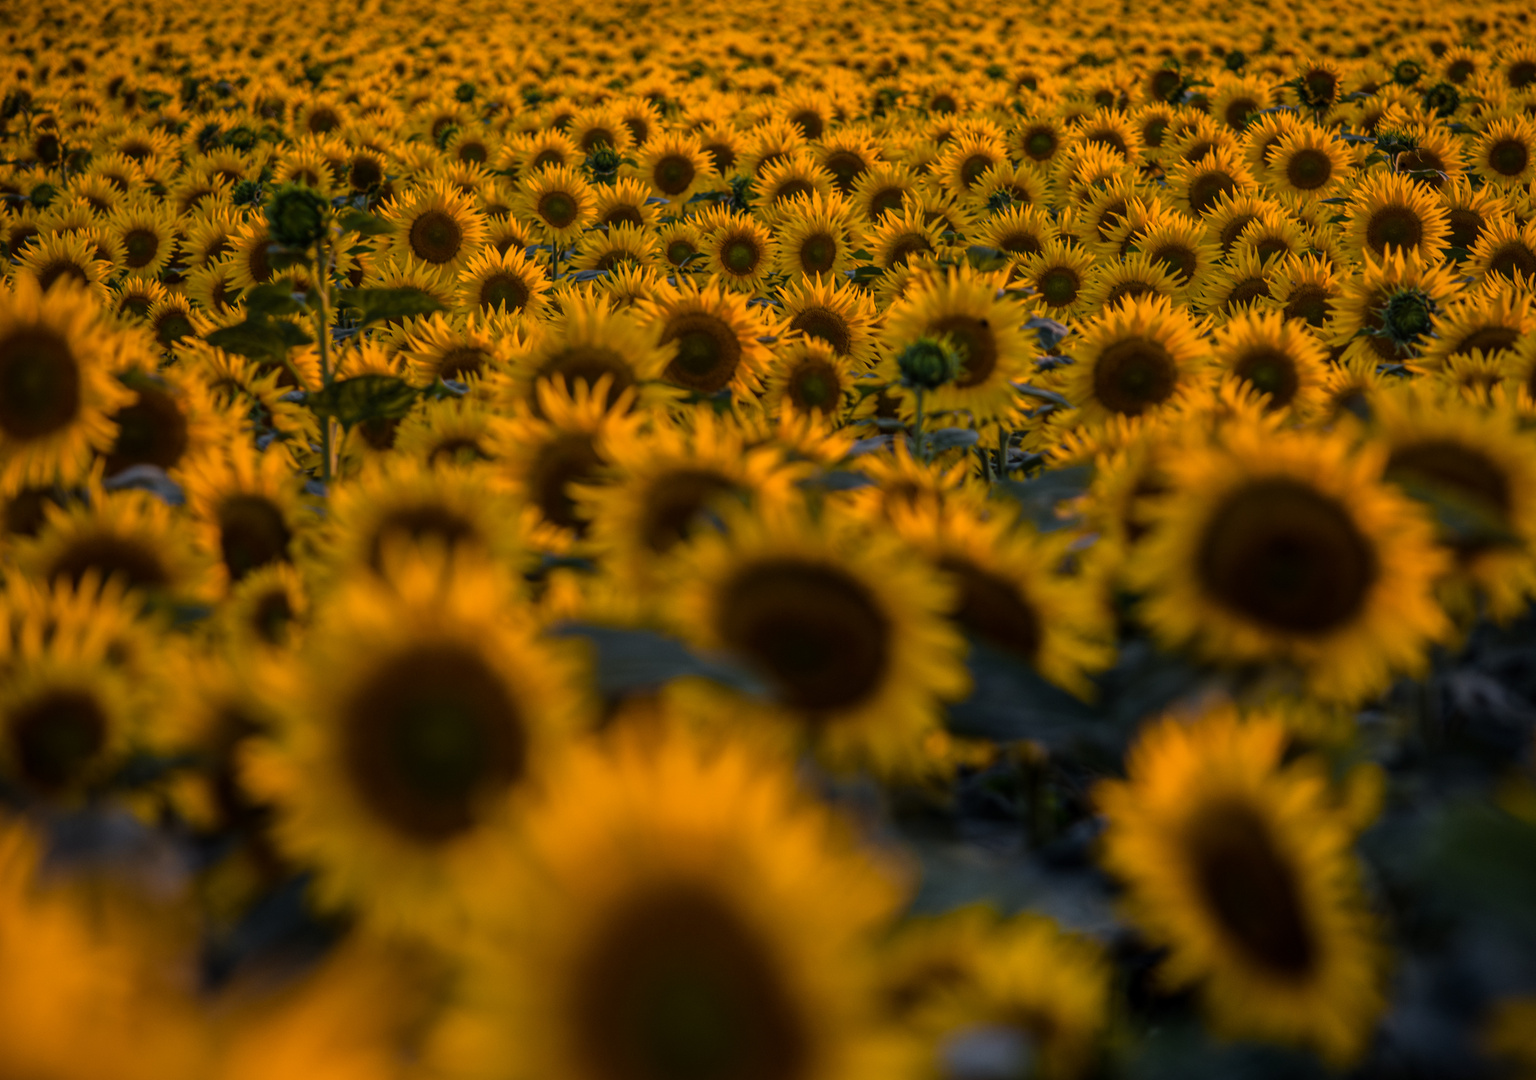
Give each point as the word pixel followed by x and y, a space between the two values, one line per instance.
pixel 707 542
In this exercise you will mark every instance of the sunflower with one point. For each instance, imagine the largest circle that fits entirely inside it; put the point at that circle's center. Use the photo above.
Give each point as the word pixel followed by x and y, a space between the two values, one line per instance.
pixel 667 482
pixel 586 342
pixel 1476 458
pixel 714 338
pixel 698 916
pixel 541 150
pixel 740 250
pixel 1489 325
pixel 970 969
pixel 964 305
pixel 1009 593
pixel 675 166
pixel 551 448
pixel 1037 139
pixel 1287 548
pixel 1506 250
pixel 210 287
pixel 1202 185
pixel 1304 288
pixel 503 281
pixel 1242 867
pixel 615 247
pixel 770 144
pixel 682 245
pixel 1017 231
pixel 247 505
pixel 1276 357
pixel 808 376
pixel 845 626
pixel 1388 212
pixel 840 315
pixel 66 256
pixel 883 189
pixel 849 153
pixel 1506 154
pixel 1184 248
pixel 1134 357
pixel 625 202
pixel 57 390
pixel 560 201
pixel 248 250
pixel 798 176
pixel 437 224
pixel 171 416
pixel 1058 276
pixel 419 715
pixel 1134 277
pixel 1387 309
pixel 966 159
pixel 403 272
pixel 395 498
pixel 128 535
pixel 816 237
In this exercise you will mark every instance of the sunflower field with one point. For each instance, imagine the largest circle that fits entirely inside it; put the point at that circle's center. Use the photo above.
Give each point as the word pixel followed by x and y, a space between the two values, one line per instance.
pixel 642 540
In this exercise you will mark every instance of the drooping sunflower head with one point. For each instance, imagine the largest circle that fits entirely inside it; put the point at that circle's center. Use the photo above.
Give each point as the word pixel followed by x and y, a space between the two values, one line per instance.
pixel 1134 357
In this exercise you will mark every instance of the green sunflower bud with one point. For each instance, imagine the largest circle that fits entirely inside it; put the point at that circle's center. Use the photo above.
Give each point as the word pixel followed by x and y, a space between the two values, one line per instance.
pixel 928 363
pixel 296 215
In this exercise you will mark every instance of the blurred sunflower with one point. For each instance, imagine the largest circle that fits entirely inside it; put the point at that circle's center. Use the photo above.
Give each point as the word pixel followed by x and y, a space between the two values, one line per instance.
pixel 247 505
pixel 1242 867
pixel 585 343
pixel 846 626
pixel 1274 548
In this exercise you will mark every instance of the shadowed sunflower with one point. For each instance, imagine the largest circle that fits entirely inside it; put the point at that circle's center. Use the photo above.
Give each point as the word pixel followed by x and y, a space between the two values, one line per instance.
pixel 1474 458
pixel 1287 548
pixel 1243 868
pixel 1489 326
pixel 418 716
pixel 473 348
pixel 1305 288
pixel 714 338
pixel 904 235
pixel 1202 185
pixel 985 330
pixel 148 239
pixel 57 390
pixel 697 917
pixel 1058 275
pixel 1278 358
pixel 436 224
pixel 1133 358
pixel 452 432
pixel 172 416
pixel 884 188
pixel 844 623
pixel 64 256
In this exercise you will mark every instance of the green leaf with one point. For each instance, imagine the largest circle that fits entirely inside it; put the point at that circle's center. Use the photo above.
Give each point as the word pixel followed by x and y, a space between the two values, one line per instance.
pixel 1039 495
pixel 1463 520
pixel 274 299
pixel 261 338
pixel 950 438
pixel 377 305
pixel 282 258
pixel 637 660
pixel 986 258
pixel 363 223
pixel 364 397
pixel 1488 858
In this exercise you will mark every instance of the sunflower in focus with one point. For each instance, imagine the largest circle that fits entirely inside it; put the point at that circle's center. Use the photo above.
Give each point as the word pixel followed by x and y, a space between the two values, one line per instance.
pixel 1242 867
pixel 436 224
pixel 714 336
pixel 696 916
pixel 1278 358
pixel 1133 358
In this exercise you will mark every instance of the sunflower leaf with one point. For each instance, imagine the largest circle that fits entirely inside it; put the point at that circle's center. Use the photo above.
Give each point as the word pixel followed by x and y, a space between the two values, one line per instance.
pixel 1039 495
pixel 377 305
pixel 1465 520
pixel 951 438
pixel 362 223
pixel 260 338
pixel 273 299
pixel 1010 701
pixel 1049 331
pixel 363 397
pixel 1488 857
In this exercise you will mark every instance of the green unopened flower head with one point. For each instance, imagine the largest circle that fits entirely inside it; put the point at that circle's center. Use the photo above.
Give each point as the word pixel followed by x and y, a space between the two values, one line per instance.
pixel 603 161
pixel 928 363
pixel 1407 316
pixel 296 215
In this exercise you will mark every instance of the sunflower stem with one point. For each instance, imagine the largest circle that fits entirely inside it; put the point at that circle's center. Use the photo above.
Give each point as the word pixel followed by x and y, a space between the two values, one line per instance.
pixel 917 427
pixel 323 337
pixel 1003 436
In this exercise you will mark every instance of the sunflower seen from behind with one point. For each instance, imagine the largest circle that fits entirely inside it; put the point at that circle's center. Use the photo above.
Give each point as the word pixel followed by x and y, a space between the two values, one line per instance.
pixel 1242 867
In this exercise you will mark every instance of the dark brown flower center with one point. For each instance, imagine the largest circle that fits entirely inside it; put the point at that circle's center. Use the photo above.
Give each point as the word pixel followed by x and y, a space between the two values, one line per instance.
pixel 436 237
pixel 429 736
pixel 815 631
pixel 55 738
pixel 133 562
pixel 426 521
pixel 678 986
pixel 741 255
pixel 1313 303
pixel 977 344
pixel 1309 169
pixel 507 291
pixel 1250 890
pixel 1060 285
pixel 818 253
pixel 39 384
pixel 1209 188
pixel 1286 556
pixel 1132 376
pixel 991 608
pixel 1487 339
pixel 252 533
pixel 1513 258
pixel 1393 226
pixel 673 174
pixel 588 364
pixel 568 459
pixel 674 503
pixel 708 352
pixel 825 324
pixel 140 247
pixel 1509 157
pixel 151 431
pixel 1461 472
pixel 815 385
pixel 1270 371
